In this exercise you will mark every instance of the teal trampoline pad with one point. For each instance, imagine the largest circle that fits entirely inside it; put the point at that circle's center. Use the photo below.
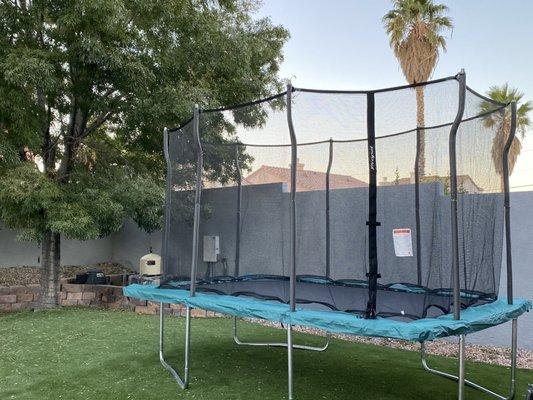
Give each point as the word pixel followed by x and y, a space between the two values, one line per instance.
pixel 473 319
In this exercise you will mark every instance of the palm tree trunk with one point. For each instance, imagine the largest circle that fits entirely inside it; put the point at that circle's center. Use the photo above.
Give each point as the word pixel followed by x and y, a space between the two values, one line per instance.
pixel 50 260
pixel 420 122
pixel 498 145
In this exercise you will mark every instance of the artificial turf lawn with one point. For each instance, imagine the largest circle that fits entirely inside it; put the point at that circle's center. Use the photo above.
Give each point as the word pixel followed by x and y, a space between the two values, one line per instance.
pixel 84 354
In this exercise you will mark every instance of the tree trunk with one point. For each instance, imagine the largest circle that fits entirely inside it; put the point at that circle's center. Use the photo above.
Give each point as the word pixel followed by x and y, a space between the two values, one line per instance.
pixel 56 258
pixel 420 122
pixel 50 260
pixel 75 131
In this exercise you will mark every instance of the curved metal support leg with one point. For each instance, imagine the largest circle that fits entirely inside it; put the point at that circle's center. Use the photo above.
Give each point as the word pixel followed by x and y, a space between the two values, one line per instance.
pixel 183 382
pixel 469 383
pixel 270 344
pixel 289 360
pixel 461 380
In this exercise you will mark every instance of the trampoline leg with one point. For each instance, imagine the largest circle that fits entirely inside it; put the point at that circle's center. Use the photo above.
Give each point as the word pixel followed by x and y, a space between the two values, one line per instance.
pixel 271 344
pixel 469 383
pixel 187 345
pixel 289 360
pixel 514 351
pixel 461 380
pixel 182 382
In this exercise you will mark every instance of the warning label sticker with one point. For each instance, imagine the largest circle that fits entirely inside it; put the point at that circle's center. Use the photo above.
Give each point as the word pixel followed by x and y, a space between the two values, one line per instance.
pixel 403 246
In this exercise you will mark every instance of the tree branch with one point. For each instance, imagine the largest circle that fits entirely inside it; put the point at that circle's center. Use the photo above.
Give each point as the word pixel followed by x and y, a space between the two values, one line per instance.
pixel 98 122
pixel 109 92
pixel 76 128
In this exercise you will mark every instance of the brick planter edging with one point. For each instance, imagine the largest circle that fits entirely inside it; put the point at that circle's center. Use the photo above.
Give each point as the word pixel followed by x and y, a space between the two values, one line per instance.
pixel 14 298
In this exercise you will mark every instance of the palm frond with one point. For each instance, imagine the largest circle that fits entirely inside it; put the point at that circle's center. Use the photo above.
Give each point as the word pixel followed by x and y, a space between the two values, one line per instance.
pixel 501 122
pixel 416 34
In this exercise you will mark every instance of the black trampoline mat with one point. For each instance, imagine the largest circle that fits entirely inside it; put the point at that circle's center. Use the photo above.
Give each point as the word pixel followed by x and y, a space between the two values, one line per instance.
pixel 319 293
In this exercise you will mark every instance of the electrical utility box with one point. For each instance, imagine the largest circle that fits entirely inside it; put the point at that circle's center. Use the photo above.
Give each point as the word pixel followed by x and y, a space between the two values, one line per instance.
pixel 211 248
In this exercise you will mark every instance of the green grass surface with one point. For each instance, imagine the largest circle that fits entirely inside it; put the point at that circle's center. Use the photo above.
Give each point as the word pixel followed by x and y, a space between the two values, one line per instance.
pixel 92 354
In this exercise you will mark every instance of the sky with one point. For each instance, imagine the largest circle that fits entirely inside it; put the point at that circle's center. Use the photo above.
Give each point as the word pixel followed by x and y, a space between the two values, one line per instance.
pixel 341 44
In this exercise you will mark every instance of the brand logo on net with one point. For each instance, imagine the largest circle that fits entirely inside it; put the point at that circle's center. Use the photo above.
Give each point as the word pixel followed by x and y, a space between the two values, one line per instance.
pixel 372 158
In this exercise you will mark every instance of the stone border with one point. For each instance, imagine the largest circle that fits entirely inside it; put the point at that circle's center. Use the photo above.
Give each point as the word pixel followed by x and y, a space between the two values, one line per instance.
pixel 15 298
pixel 110 296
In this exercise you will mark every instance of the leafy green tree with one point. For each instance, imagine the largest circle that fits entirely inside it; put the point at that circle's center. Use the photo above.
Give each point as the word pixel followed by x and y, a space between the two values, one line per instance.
pixel 86 87
pixel 416 30
pixel 501 121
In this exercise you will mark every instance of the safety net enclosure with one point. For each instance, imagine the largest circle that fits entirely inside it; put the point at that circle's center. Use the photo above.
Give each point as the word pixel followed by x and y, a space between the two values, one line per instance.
pixel 383 203
pixel 373 213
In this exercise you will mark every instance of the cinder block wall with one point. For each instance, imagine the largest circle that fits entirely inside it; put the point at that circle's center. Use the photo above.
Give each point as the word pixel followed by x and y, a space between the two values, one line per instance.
pixel 131 243
pixel 73 252
pixel 128 245
pixel 522 244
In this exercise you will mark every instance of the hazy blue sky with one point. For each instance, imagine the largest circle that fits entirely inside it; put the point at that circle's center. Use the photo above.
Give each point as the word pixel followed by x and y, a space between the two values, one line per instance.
pixel 341 44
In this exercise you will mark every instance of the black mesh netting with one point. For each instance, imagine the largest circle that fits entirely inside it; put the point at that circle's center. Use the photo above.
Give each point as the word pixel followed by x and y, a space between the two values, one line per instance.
pixel 252 170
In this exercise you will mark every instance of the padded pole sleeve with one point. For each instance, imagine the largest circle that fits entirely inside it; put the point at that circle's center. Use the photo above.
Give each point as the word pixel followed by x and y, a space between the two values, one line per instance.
pixel 168 200
pixel 372 222
pixel 507 203
pixel 294 162
pixel 328 230
pixel 197 198
pixel 238 176
pixel 417 208
pixel 461 78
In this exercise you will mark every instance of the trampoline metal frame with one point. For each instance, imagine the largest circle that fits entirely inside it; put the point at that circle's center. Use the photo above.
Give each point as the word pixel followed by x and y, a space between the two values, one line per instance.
pixel 182 382
pixel 462 382
pixel 278 344
pixel 460 378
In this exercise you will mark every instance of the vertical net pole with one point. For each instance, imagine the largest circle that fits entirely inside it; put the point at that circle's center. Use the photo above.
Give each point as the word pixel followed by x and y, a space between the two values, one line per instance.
pixel 507 203
pixel 238 214
pixel 197 198
pixel 294 161
pixel 461 78
pixel 372 222
pixel 328 232
pixel 168 200
pixel 417 208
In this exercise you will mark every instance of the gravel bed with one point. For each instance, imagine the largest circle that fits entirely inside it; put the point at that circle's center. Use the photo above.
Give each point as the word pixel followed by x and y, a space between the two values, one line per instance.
pixel 474 352
pixel 15 276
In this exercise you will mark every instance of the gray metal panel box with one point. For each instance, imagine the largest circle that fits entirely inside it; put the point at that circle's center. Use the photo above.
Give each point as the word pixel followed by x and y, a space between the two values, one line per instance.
pixel 211 248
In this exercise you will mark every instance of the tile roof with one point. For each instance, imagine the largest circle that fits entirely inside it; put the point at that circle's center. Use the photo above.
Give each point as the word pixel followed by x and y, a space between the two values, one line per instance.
pixel 462 180
pixel 306 180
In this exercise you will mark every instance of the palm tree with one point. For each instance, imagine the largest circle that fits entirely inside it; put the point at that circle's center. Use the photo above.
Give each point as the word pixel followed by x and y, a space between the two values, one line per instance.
pixel 501 121
pixel 415 29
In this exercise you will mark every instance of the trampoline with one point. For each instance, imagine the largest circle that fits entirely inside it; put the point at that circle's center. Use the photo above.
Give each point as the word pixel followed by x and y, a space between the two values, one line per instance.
pixel 275 210
pixel 402 300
